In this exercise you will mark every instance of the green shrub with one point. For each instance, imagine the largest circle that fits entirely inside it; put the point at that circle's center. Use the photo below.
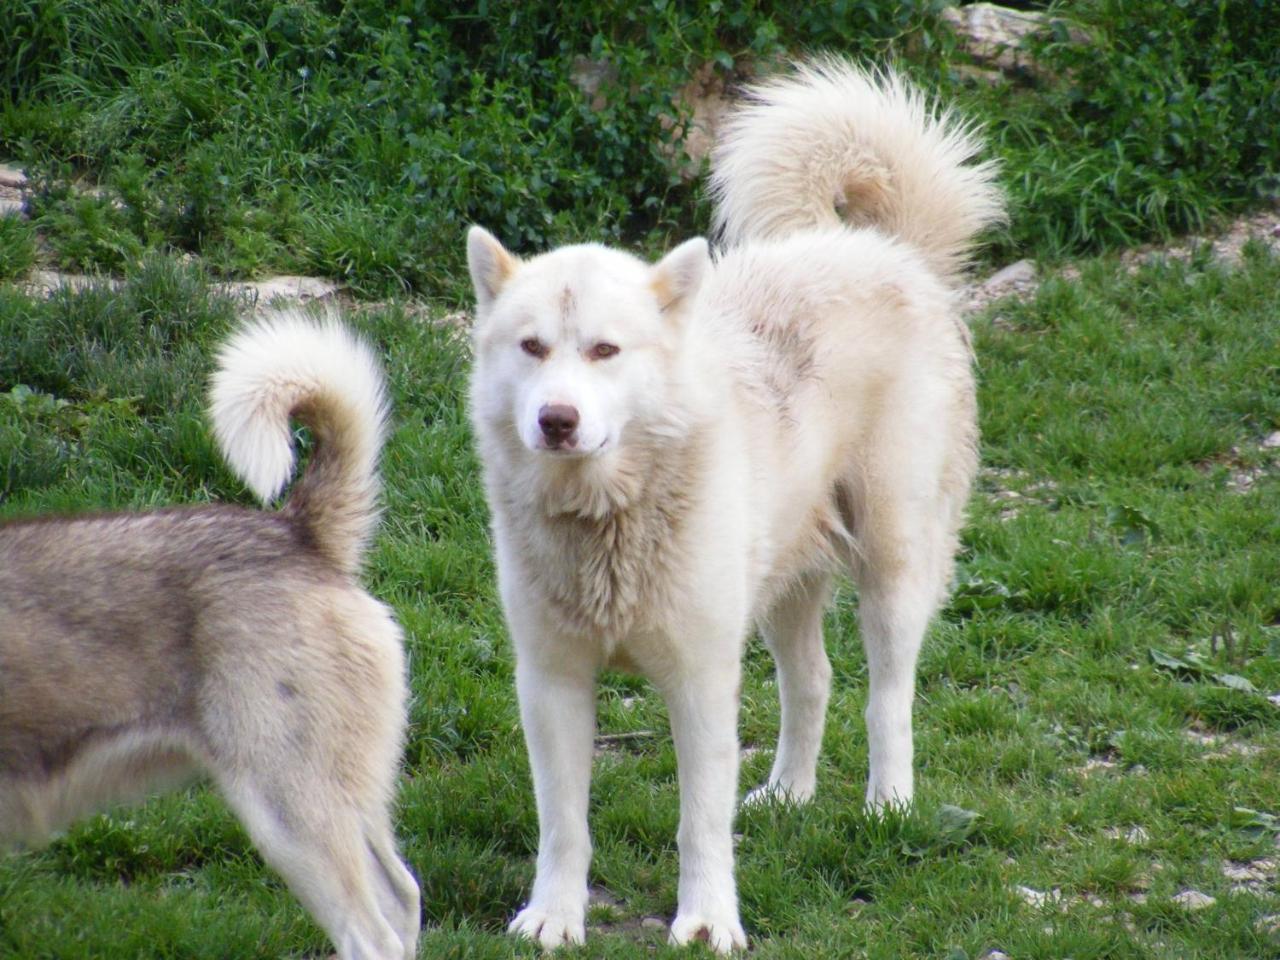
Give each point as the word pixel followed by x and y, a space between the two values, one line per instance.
pixel 1164 116
pixel 359 139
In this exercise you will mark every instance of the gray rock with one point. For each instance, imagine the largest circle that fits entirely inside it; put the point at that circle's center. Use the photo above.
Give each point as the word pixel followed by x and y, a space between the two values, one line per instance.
pixel 11 176
pixel 285 287
pixel 1024 271
pixel 1192 900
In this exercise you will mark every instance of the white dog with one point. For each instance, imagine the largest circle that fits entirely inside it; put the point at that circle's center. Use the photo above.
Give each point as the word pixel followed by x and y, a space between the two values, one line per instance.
pixel 676 452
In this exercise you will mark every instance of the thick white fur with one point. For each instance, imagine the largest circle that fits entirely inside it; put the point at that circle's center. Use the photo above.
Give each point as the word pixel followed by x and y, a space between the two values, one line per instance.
pixel 832 142
pixel 291 364
pixel 801 405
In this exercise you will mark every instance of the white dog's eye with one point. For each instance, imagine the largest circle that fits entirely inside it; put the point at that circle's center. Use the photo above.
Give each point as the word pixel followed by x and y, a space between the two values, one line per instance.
pixel 603 351
pixel 534 347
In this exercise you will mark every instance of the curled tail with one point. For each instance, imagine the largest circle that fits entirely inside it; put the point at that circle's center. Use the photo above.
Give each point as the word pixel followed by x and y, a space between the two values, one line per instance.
pixel 832 143
pixel 291 366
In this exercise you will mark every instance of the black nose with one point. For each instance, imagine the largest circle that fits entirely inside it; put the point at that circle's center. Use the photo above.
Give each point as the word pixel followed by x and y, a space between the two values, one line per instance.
pixel 558 422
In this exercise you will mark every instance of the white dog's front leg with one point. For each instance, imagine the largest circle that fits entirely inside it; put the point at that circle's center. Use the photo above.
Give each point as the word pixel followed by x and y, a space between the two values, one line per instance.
pixel 704 720
pixel 557 708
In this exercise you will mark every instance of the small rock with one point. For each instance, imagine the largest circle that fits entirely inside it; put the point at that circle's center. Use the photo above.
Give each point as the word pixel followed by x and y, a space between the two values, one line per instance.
pixel 1192 900
pixel 1024 271
pixel 995 955
pixel 992 34
pixel 1272 441
pixel 11 176
pixel 1037 898
pixel 289 288
pixel 1095 764
pixel 1257 871
pixel 1134 835
pixel 653 923
pixel 10 208
pixel 1204 739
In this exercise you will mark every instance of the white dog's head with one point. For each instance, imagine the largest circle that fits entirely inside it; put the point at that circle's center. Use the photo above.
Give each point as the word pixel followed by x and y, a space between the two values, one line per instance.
pixel 575 346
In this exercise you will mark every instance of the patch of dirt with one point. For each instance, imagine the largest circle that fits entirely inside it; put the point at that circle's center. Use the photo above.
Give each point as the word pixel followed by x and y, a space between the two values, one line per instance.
pixel 606 915
pixel 1247 466
pixel 1015 490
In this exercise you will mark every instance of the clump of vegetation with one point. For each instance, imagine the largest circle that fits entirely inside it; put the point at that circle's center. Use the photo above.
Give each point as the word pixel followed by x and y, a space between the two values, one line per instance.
pixel 357 140
pixel 1148 119
pixel 17 247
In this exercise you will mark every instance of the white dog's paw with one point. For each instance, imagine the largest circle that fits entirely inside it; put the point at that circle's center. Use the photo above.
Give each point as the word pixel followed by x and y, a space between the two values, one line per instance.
pixel 882 798
pixel 549 928
pixel 772 792
pixel 723 934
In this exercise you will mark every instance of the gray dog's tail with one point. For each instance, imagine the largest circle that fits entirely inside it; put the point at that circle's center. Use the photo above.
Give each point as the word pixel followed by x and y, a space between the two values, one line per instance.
pixel 291 366
pixel 831 143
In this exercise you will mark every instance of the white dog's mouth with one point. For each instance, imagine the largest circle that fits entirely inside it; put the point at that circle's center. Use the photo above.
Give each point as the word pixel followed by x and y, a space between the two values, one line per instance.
pixel 570 448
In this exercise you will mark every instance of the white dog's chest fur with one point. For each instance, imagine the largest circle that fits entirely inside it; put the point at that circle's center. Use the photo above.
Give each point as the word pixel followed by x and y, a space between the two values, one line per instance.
pixel 606 576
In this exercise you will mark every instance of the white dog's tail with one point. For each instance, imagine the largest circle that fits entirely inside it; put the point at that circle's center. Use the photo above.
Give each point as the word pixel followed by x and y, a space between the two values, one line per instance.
pixel 833 143
pixel 318 371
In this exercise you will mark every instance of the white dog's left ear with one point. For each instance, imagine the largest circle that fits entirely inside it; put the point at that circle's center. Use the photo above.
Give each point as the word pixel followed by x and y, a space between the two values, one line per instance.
pixel 677 276
pixel 490 264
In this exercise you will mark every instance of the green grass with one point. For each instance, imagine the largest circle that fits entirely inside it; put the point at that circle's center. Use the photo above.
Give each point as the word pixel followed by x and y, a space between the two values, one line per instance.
pixel 1120 408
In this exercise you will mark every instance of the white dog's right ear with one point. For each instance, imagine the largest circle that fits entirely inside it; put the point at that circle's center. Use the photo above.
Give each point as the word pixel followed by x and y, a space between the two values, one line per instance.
pixel 490 264
pixel 678 276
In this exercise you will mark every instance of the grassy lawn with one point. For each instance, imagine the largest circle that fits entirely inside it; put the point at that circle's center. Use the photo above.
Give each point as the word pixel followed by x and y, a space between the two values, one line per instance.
pixel 1098 722
pixel 1081 732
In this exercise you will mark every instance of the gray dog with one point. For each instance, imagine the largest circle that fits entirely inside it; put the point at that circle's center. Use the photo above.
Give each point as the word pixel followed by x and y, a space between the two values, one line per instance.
pixel 139 649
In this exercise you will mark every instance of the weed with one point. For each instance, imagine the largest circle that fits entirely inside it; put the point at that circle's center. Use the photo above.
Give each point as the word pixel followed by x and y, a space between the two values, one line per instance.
pixel 17 247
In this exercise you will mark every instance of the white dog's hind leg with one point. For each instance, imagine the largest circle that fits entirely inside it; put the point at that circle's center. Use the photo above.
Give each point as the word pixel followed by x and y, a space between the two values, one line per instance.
pixel 899 588
pixel 704 717
pixel 557 710
pixel 893 621
pixel 793 633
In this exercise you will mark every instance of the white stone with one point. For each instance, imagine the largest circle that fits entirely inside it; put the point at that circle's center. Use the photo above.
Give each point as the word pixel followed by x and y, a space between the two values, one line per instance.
pixel 11 176
pixel 1133 835
pixel 1192 900
pixel 285 287
pixel 1024 271
pixel 1037 898
pixel 1257 871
